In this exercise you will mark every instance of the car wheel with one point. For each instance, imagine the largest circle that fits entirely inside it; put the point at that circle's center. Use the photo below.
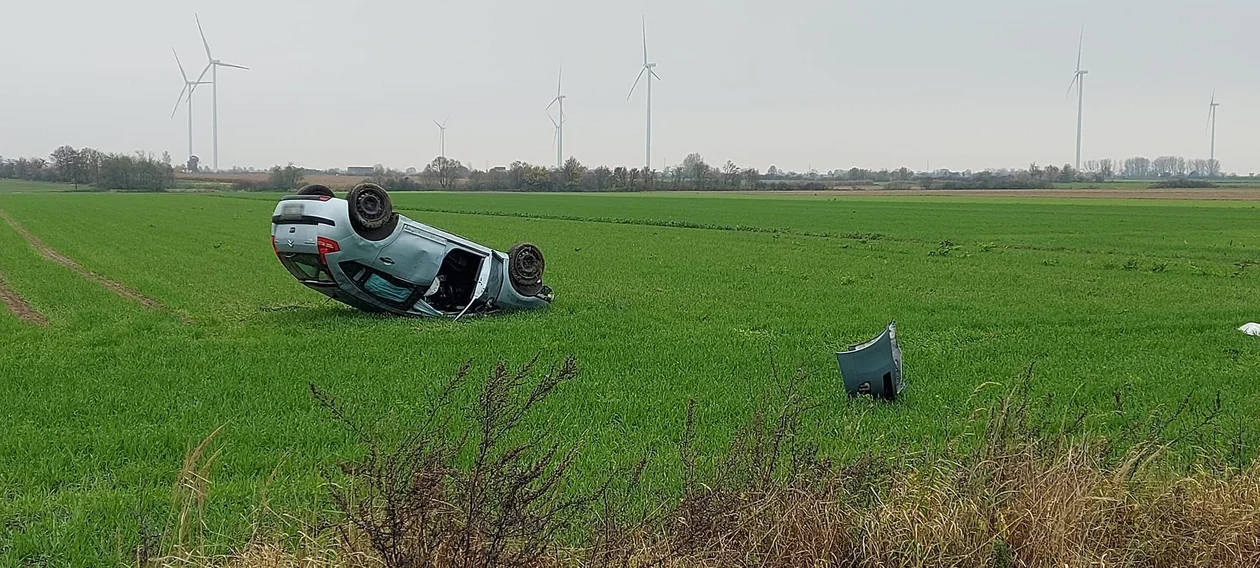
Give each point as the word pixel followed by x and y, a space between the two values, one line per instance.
pixel 525 268
pixel 316 189
pixel 370 207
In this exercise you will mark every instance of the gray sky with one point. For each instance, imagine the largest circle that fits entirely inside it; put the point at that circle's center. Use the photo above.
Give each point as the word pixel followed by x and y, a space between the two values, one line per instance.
pixel 965 84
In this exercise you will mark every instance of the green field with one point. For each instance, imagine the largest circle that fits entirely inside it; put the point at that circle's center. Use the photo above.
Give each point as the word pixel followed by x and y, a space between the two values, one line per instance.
pixel 662 298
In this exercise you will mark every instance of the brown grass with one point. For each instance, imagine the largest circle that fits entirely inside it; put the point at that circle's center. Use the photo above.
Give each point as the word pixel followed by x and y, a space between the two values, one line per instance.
pixel 1025 497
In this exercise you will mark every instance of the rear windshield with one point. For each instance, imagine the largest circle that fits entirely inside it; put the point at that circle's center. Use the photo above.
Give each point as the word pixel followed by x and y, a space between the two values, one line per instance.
pixel 306 267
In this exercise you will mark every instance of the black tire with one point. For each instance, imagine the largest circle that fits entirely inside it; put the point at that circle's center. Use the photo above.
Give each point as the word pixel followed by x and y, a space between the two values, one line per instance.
pixel 316 189
pixel 525 268
pixel 370 207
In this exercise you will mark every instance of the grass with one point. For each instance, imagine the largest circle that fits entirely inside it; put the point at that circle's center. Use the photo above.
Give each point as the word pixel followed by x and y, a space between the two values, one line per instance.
pixel 1126 308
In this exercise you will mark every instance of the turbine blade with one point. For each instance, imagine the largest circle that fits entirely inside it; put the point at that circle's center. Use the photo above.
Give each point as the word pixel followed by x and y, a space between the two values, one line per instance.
pixel 554 136
pixel 203 74
pixel 645 57
pixel 438 125
pixel 180 100
pixel 553 102
pixel 559 79
pixel 636 82
pixel 1080 48
pixel 221 64
pixel 553 121
pixel 203 38
pixel 658 77
pixel 1075 78
pixel 181 65
pixel 446 120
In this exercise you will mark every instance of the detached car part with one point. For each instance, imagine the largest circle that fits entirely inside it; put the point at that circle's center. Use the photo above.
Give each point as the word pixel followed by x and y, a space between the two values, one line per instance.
pixel 358 251
pixel 873 368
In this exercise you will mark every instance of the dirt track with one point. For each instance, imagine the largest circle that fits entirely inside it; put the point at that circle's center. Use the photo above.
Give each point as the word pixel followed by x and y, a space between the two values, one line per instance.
pixel 77 268
pixel 19 307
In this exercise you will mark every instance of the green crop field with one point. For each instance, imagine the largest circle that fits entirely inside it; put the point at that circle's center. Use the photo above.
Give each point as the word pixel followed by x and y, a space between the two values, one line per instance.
pixel 1124 307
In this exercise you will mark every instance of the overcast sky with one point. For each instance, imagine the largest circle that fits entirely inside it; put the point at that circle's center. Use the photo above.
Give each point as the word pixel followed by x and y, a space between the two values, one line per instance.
pixel 967 84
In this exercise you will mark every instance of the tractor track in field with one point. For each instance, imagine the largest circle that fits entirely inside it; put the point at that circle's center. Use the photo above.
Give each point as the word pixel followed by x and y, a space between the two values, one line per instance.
pixel 77 268
pixel 19 307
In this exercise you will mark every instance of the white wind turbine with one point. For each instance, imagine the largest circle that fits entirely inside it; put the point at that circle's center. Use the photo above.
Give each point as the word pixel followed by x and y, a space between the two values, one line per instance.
pixel 559 138
pixel 213 67
pixel 649 69
pixel 189 87
pixel 1212 120
pixel 1078 81
pixel 442 136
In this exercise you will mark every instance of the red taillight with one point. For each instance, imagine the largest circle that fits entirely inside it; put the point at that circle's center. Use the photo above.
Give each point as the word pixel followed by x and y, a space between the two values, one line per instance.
pixel 324 198
pixel 326 245
pixel 273 245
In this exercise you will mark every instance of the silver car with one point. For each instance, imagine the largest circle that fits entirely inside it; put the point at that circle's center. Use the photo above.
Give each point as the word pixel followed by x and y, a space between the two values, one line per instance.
pixel 360 252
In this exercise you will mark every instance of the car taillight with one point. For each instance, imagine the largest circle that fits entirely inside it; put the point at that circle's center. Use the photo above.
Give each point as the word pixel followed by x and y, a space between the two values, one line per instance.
pixel 274 247
pixel 326 245
pixel 324 198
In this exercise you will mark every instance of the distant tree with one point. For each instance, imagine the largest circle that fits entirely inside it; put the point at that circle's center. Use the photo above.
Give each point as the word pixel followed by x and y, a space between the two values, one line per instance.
pixel 446 171
pixel 600 178
pixel 772 172
pixel 516 174
pixel 1050 173
pixel 288 177
pixel 571 174
pixel 1067 174
pixel 1106 169
pixel 621 178
pixel 730 174
pixel 752 178
pixel 649 178
pixel 69 165
pixel 537 178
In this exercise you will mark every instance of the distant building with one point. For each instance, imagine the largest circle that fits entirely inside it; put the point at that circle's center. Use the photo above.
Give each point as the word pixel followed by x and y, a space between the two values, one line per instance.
pixel 360 171
pixel 192 164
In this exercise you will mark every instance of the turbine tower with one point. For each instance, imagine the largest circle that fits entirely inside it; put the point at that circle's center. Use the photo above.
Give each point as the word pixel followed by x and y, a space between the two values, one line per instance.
pixel 189 87
pixel 560 123
pixel 442 136
pixel 649 70
pixel 1212 120
pixel 213 67
pixel 1078 81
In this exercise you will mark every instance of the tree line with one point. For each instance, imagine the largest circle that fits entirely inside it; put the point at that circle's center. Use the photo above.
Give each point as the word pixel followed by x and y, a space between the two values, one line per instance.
pixel 132 172
pixel 142 171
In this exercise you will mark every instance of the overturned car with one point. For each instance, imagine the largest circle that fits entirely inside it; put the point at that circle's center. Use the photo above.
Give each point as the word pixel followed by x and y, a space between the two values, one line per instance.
pixel 360 252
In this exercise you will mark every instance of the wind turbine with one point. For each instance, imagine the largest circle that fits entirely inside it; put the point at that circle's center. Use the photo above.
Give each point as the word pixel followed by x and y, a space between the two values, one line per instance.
pixel 189 87
pixel 648 68
pixel 559 124
pixel 213 67
pixel 1078 81
pixel 442 127
pixel 1212 120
